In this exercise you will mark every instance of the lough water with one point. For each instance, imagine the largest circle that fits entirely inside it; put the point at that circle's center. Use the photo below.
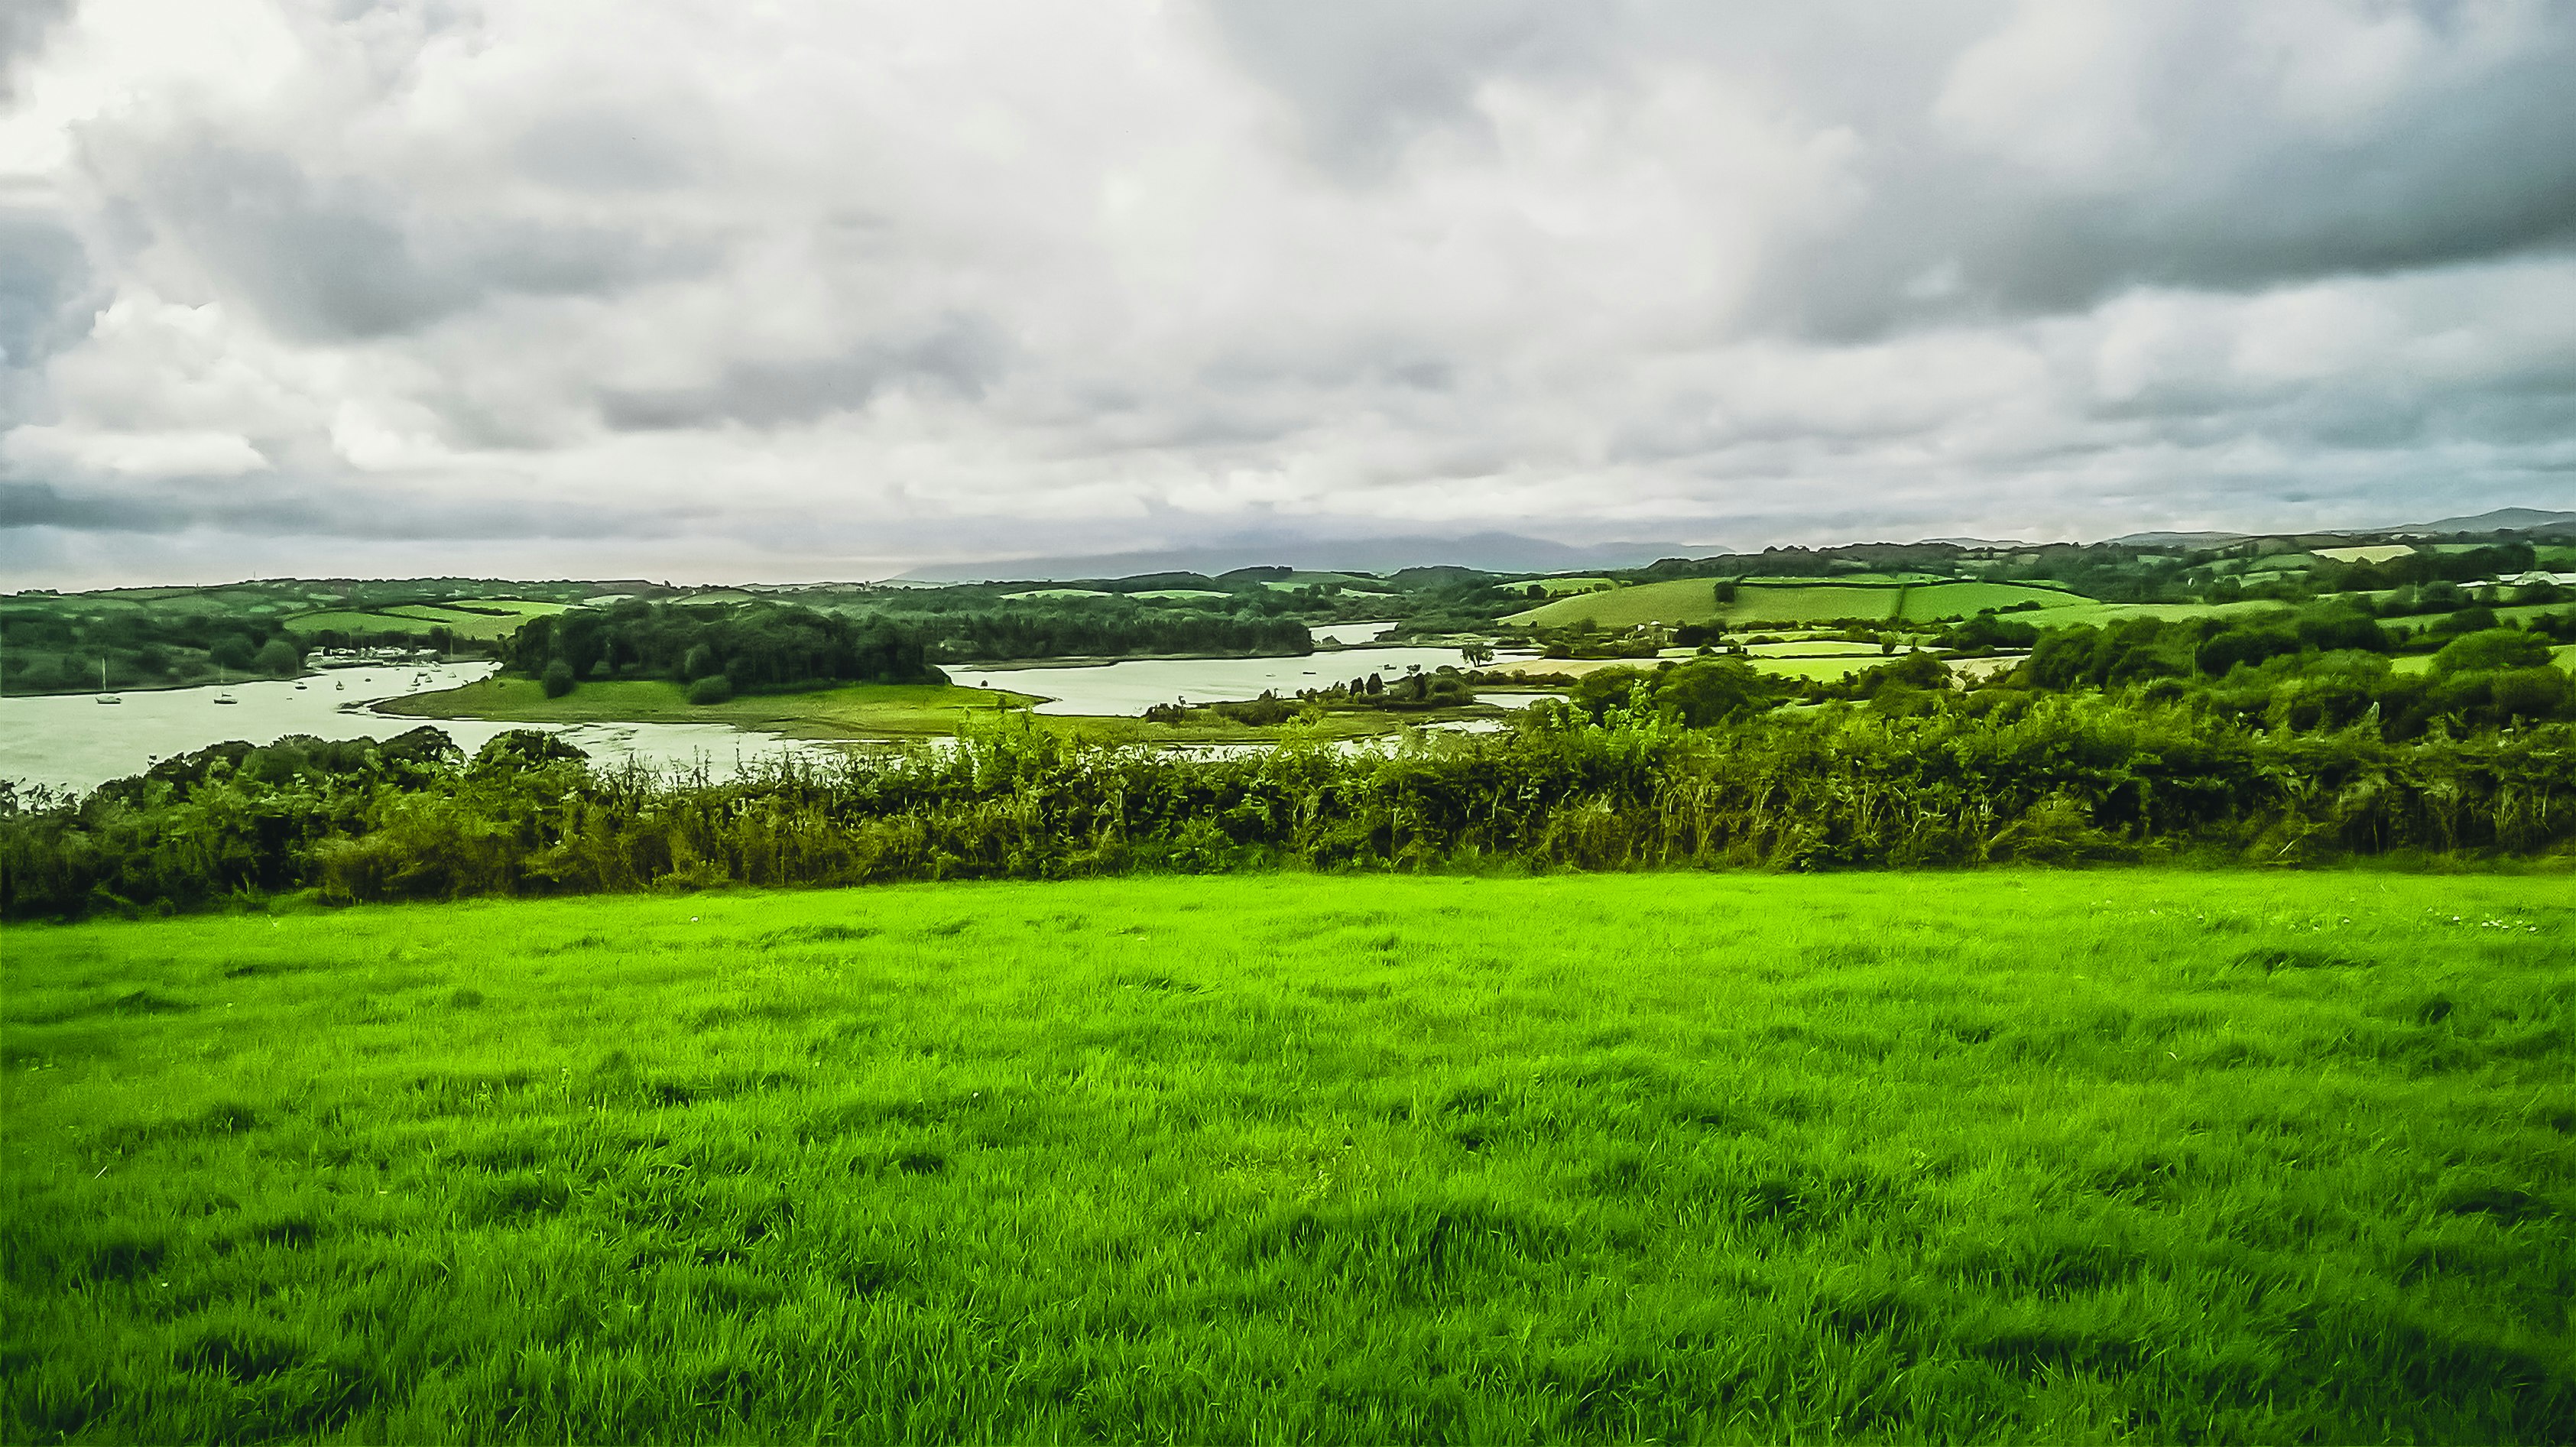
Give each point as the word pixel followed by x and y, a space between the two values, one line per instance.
pixel 1129 688
pixel 73 741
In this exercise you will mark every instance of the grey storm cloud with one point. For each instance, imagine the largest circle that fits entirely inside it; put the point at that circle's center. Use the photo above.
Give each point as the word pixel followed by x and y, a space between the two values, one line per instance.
pixel 2481 166
pixel 1368 77
pixel 44 272
pixel 24 27
pixel 891 284
pixel 283 506
pixel 963 354
pixel 348 257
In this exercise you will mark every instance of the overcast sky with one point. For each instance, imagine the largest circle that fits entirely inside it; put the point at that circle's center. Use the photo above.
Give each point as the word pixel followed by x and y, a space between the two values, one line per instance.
pixel 722 289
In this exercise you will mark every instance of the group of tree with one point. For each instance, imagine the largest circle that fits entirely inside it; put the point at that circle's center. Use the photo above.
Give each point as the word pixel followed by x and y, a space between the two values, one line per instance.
pixel 716 649
pixel 1113 627
pixel 47 650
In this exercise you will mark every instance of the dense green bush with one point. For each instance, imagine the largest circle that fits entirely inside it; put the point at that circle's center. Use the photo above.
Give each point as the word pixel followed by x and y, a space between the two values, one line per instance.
pixel 2000 774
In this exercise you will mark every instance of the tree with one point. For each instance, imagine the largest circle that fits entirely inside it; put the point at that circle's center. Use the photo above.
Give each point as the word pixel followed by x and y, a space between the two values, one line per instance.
pixel 2244 645
pixel 233 651
pixel 2330 630
pixel 1709 691
pixel 2531 693
pixel 714 688
pixel 558 679
pixel 1477 654
pixel 2490 649
pixel 278 656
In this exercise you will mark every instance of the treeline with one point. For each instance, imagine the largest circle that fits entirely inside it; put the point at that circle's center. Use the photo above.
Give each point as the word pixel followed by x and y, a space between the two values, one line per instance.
pixel 2028 776
pixel 42 651
pixel 717 649
pixel 1103 628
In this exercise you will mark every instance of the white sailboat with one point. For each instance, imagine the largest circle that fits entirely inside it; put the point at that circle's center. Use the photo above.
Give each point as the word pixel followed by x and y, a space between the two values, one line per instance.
pixel 221 696
pixel 103 695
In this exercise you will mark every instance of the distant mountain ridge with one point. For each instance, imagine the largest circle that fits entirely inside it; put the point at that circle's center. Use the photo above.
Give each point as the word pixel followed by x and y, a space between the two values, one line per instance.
pixel 1501 552
pixel 1491 552
pixel 2501 520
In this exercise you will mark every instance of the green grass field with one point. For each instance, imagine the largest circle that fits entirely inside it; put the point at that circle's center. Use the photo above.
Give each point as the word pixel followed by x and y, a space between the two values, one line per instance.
pixel 1694 600
pixel 1812 648
pixel 2098 614
pixel 1996 1156
pixel 2562 656
pixel 481 620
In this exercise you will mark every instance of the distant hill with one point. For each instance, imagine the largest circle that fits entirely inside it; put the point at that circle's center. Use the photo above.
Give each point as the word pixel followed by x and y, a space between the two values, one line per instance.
pixel 2180 540
pixel 1486 552
pixel 2502 520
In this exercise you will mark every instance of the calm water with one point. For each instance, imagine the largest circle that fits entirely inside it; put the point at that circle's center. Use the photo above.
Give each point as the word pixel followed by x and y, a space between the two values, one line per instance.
pixel 73 741
pixel 1348 634
pixel 1127 689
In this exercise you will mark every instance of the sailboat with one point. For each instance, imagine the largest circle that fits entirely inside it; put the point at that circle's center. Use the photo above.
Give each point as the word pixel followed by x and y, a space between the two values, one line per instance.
pixel 220 695
pixel 103 695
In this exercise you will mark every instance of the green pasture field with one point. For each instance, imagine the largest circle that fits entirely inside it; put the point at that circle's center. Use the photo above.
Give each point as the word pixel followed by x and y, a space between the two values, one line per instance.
pixel 1823 670
pixel 499 618
pixel 1560 587
pixel 2377 553
pixel 1811 648
pixel 1996 1156
pixel 1694 600
pixel 1340 582
pixel 2098 614
pixel 858 710
pixel 2523 613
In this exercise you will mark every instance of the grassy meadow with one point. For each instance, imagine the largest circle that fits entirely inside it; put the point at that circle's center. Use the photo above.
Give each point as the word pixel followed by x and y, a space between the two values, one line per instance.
pixel 1694 600
pixel 2015 1155
pixel 467 621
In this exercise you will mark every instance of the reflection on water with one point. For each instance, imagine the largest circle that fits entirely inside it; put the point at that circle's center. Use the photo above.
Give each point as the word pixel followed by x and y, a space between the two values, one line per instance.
pixel 1129 688
pixel 73 741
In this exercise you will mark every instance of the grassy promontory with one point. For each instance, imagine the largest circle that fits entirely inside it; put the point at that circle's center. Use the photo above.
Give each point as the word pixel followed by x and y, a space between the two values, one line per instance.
pixel 867 711
pixel 850 711
pixel 2010 1155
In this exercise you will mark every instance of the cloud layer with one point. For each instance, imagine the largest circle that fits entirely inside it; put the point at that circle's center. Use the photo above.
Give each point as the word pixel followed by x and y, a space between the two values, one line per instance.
pixel 691 287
